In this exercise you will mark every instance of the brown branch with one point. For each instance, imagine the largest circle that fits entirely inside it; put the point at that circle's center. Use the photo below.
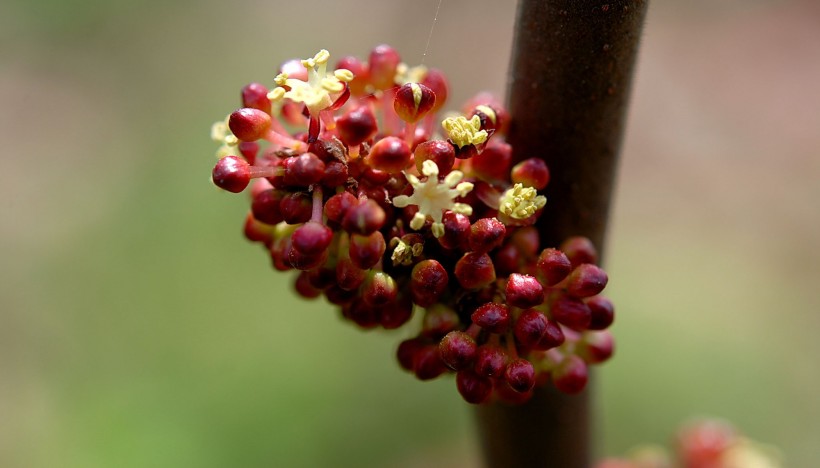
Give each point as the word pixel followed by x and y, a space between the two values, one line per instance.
pixel 569 86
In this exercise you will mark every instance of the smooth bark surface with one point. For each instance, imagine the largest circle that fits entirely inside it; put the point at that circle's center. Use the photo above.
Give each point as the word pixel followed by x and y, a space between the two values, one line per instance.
pixel 570 75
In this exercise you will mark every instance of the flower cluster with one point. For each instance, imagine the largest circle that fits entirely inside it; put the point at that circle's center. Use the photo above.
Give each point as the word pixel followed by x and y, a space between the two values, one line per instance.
pixel 390 212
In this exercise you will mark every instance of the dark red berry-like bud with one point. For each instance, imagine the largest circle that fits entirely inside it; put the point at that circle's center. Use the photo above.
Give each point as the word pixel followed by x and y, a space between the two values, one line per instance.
pixel 279 250
pixel 596 347
pixel 413 101
pixel 406 352
pixel 322 278
pixel 493 164
pixel 603 312
pixel 439 151
pixel 530 328
pixel 507 394
pixel 366 250
pixel 439 320
pixel 579 250
pixel 257 231
pixel 493 317
pixel 456 231
pixel 338 296
pixel 491 361
pixel 255 96
pixel 475 270
pixel 375 177
pixel 296 207
pixel 302 261
pixel 473 388
pixel 304 170
pixel 379 289
pixel 265 206
pixel 231 173
pixel 571 312
pixel 437 82
pixel 383 62
pixel 586 280
pixel 312 238
pixel 571 375
pixel 553 336
pixel 486 234
pixel 364 218
pixel 336 174
pixel 520 375
pixel 349 276
pixel 507 260
pixel 526 241
pixel 524 291
pixel 553 266
pixel 304 288
pixel 457 350
pixel 427 364
pixel 357 126
pixel 249 124
pixel 390 154
pixel 397 314
pixel 328 150
pixel 337 206
pixel 531 172
pixel 249 150
pixel 362 314
pixel 428 281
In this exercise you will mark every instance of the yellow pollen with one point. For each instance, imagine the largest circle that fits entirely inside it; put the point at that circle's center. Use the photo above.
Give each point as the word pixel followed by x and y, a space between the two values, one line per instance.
pixel 403 253
pixel 315 92
pixel 416 94
pixel 463 132
pixel 521 202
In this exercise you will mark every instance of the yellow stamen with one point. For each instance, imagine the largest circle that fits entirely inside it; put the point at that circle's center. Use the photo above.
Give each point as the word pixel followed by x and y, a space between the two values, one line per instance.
pixel 463 132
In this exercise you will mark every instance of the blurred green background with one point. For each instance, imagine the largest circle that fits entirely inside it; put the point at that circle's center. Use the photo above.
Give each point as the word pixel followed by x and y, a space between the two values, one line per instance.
pixel 138 329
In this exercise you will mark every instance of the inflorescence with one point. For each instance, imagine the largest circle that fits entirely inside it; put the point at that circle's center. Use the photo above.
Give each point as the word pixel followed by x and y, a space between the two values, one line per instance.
pixel 386 210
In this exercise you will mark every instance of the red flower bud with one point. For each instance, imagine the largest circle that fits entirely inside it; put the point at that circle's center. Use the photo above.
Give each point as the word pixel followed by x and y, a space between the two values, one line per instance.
pixel 457 350
pixel 473 388
pixel 390 154
pixel 413 101
pixel 255 96
pixel 571 375
pixel 524 291
pixel 493 317
pixel 249 124
pixel 586 280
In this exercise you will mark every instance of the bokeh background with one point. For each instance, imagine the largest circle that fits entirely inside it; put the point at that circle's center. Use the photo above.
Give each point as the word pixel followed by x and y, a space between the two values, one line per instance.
pixel 138 329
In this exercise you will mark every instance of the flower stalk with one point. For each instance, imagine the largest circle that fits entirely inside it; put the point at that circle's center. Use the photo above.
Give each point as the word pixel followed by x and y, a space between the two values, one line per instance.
pixel 571 69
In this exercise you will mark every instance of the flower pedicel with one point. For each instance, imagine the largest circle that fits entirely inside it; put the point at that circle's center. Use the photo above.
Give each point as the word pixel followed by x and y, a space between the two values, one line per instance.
pixel 389 212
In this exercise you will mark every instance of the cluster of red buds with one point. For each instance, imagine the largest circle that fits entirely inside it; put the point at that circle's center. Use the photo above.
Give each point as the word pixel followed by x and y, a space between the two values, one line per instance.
pixel 385 210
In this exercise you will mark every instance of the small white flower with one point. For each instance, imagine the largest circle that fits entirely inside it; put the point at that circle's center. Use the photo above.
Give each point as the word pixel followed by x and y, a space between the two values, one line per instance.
pixel 434 197
pixel 315 92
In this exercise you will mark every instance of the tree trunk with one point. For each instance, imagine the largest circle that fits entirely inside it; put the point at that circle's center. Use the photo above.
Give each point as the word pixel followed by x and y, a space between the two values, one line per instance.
pixel 570 76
